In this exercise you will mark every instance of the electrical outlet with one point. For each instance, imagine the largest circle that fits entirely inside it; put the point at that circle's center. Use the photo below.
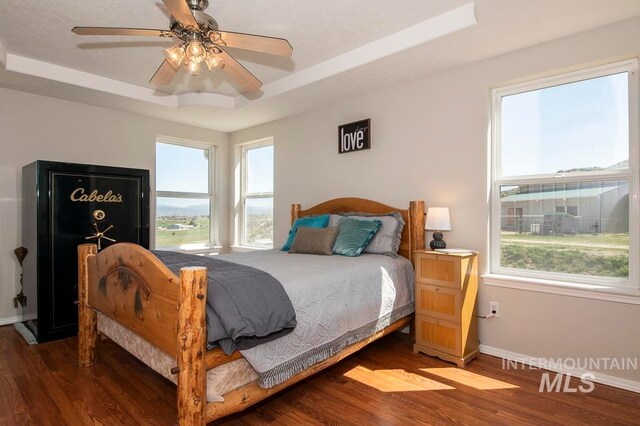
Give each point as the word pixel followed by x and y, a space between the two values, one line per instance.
pixel 494 308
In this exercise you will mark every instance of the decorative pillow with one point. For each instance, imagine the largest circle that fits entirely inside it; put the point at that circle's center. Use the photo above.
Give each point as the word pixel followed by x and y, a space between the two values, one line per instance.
pixel 314 240
pixel 335 218
pixel 320 221
pixel 354 235
pixel 387 240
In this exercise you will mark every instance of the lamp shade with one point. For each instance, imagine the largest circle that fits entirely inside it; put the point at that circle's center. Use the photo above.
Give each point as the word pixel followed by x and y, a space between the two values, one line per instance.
pixel 438 219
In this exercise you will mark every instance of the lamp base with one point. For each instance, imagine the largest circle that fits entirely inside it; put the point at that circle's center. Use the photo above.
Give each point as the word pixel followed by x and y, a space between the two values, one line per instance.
pixel 437 243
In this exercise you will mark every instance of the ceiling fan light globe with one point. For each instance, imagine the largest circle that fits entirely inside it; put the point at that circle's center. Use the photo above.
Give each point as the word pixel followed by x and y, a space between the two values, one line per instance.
pixel 196 52
pixel 193 68
pixel 213 62
pixel 175 55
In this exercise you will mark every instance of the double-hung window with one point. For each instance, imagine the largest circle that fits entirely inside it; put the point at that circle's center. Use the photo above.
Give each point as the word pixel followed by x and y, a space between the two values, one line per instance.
pixel 256 218
pixel 564 203
pixel 185 202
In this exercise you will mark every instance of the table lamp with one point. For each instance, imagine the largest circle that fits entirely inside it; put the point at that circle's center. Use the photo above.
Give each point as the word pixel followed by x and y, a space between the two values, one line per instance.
pixel 438 220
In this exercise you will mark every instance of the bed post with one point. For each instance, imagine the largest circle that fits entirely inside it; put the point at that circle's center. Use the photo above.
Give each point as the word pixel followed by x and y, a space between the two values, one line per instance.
pixel 191 348
pixel 87 318
pixel 295 211
pixel 416 223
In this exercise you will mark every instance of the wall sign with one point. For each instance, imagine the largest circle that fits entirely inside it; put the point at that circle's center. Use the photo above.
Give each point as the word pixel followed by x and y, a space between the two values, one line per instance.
pixel 354 136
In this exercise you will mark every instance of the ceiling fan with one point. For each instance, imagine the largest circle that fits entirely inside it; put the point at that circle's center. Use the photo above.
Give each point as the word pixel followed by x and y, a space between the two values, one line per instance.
pixel 200 43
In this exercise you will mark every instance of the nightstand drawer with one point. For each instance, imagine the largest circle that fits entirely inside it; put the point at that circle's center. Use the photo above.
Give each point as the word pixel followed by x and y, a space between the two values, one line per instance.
pixel 437 334
pixel 437 269
pixel 440 302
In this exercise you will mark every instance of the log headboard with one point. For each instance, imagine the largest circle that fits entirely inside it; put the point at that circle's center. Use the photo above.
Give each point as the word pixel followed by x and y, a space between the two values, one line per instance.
pixel 412 234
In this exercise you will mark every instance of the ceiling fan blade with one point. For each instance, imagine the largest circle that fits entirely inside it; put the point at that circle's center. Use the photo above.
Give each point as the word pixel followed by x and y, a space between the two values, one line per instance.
pixel 258 43
pixel 164 74
pixel 180 10
pixel 121 31
pixel 239 73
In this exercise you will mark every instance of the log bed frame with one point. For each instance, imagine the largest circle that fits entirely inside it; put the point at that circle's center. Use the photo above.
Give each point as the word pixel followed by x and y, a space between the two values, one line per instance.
pixel 169 311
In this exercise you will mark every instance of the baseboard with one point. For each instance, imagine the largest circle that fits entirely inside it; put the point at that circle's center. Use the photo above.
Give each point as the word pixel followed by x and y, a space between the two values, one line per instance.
pixel 18 318
pixel 605 379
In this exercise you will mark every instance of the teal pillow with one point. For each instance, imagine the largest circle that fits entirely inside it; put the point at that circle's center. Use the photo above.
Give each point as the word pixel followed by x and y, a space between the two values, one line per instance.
pixel 320 221
pixel 354 235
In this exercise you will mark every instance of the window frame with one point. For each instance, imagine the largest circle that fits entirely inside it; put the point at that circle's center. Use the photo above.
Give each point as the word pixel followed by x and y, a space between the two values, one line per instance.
pixel 197 248
pixel 244 194
pixel 631 174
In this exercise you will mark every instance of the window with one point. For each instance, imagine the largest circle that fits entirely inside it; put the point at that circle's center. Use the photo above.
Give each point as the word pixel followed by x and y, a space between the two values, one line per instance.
pixel 256 221
pixel 184 196
pixel 564 169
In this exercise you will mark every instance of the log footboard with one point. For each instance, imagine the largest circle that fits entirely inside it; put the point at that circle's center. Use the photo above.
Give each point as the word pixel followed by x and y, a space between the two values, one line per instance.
pixel 192 346
pixel 128 284
pixel 87 317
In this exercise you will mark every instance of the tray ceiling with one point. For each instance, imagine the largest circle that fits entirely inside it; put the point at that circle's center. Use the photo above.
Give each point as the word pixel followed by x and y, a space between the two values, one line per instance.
pixel 340 48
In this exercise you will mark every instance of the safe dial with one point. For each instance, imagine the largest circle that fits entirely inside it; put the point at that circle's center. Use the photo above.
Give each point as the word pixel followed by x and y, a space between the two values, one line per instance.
pixel 99 215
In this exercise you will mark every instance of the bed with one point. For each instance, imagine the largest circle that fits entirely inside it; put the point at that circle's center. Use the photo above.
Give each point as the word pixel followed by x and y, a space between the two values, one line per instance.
pixel 152 310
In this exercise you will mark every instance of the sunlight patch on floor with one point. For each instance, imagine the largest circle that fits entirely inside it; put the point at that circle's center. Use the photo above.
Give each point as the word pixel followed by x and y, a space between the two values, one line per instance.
pixel 468 378
pixel 394 380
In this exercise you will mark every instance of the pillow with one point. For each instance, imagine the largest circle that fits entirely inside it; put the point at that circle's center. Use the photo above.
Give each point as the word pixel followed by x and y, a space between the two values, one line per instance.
pixel 354 235
pixel 335 218
pixel 388 238
pixel 314 240
pixel 320 221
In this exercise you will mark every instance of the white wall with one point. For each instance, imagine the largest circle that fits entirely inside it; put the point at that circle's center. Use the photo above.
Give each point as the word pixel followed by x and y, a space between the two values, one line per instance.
pixel 430 142
pixel 35 127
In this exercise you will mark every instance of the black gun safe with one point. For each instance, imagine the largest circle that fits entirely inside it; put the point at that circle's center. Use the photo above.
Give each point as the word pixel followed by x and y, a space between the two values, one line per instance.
pixel 65 205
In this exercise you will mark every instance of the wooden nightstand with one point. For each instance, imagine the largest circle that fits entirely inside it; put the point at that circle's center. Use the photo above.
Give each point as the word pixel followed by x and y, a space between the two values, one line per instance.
pixel 446 308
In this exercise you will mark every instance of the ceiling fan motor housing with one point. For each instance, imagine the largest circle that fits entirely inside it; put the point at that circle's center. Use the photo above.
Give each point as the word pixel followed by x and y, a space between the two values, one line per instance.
pixel 198 5
pixel 205 22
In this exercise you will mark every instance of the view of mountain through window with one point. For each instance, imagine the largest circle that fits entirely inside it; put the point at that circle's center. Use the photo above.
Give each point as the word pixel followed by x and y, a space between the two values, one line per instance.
pixel 258 196
pixel 184 196
pixel 581 126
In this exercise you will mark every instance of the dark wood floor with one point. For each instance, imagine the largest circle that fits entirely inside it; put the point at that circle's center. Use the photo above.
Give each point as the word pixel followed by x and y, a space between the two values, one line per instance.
pixel 384 384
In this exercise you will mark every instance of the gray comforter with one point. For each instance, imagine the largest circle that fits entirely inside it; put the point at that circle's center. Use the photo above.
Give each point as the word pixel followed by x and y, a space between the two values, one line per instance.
pixel 245 306
pixel 338 300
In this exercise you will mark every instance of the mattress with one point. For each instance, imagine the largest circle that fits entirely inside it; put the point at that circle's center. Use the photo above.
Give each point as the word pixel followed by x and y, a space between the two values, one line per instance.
pixel 220 380
pixel 338 301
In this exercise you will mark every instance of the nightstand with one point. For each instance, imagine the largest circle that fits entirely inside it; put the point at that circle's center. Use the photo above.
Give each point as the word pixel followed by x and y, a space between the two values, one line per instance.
pixel 446 305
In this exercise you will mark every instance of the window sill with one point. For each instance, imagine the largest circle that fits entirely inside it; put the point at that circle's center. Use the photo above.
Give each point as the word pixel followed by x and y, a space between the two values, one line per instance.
pixel 242 249
pixel 199 250
pixel 587 291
